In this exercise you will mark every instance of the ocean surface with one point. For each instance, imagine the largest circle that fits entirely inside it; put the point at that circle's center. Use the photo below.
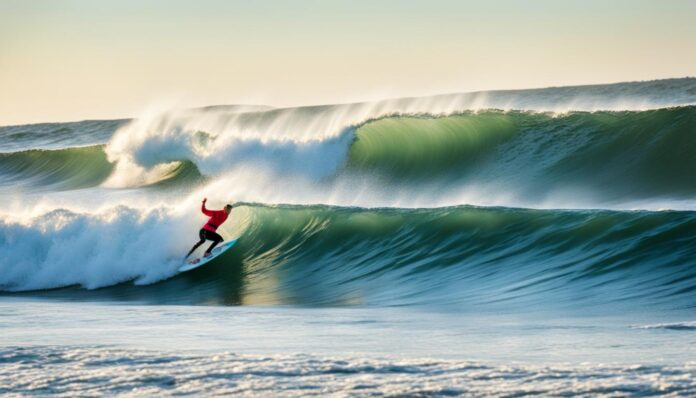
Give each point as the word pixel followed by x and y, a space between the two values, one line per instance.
pixel 502 243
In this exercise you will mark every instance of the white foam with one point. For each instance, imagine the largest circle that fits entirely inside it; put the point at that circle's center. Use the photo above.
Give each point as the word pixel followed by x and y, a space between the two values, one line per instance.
pixel 63 248
pixel 68 371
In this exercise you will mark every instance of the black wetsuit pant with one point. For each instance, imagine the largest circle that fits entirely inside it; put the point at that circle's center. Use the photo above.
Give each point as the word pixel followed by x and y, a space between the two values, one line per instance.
pixel 204 234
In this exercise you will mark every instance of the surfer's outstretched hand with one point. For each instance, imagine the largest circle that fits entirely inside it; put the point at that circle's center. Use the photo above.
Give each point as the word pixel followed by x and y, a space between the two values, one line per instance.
pixel 205 200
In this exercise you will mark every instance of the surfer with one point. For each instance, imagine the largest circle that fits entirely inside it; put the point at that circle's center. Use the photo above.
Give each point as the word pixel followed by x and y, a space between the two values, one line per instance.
pixel 217 217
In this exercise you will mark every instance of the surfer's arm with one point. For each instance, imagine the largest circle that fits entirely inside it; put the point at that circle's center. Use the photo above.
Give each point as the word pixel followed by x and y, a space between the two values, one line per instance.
pixel 205 211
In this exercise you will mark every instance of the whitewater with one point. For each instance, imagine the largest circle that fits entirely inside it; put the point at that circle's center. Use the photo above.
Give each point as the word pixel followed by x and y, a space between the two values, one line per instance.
pixel 563 215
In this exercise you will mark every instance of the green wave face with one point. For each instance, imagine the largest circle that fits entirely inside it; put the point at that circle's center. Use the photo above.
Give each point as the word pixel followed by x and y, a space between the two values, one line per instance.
pixel 74 168
pixel 464 257
pixel 71 168
pixel 473 256
pixel 425 147
pixel 618 154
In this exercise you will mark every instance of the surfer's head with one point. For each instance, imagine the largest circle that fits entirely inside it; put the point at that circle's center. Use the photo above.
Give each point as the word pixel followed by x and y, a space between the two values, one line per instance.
pixel 228 208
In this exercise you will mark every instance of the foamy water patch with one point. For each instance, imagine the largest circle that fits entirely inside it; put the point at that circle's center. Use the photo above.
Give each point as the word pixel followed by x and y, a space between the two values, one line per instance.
pixel 682 326
pixel 62 248
pixel 119 372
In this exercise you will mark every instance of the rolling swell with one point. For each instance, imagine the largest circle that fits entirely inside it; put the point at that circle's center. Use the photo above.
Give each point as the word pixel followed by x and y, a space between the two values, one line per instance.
pixel 57 135
pixel 603 155
pixel 602 159
pixel 460 256
pixel 72 168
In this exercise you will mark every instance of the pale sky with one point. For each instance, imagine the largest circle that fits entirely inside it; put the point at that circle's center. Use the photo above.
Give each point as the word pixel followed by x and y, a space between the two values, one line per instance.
pixel 87 59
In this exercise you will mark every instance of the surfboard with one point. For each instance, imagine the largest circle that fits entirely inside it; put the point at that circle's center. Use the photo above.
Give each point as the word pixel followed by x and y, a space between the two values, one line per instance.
pixel 199 261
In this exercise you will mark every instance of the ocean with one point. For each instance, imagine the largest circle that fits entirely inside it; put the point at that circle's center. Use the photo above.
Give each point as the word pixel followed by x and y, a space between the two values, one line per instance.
pixel 500 243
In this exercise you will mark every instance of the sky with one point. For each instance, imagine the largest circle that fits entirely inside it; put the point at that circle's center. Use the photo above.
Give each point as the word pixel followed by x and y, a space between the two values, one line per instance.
pixel 83 59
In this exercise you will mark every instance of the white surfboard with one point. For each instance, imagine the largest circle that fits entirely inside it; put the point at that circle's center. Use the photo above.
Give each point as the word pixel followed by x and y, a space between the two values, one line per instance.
pixel 199 261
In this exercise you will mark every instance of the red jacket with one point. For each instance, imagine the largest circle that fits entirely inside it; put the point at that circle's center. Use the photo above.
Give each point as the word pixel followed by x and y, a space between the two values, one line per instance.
pixel 217 217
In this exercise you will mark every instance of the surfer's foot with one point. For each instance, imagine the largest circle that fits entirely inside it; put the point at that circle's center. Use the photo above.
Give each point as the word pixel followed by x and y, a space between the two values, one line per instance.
pixel 207 254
